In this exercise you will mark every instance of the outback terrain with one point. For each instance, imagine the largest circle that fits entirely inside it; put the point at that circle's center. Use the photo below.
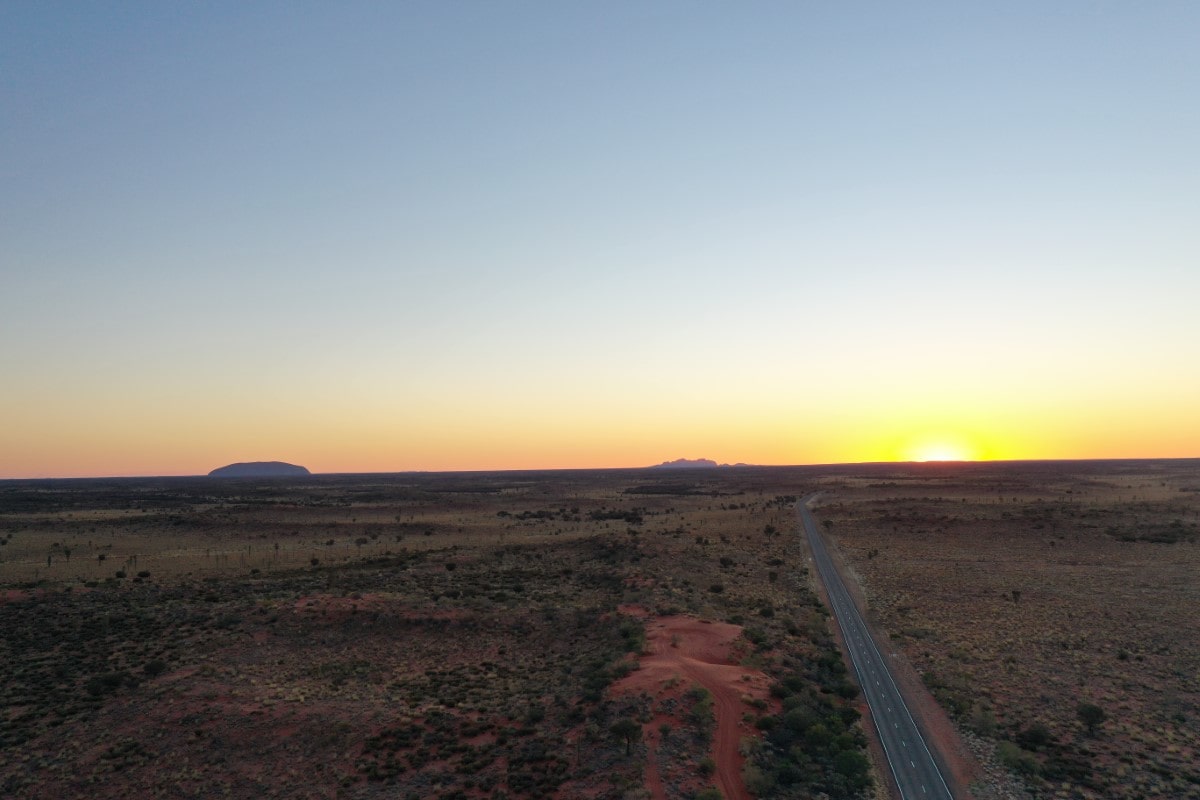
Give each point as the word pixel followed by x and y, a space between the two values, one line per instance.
pixel 610 634
pixel 617 634
pixel 1051 608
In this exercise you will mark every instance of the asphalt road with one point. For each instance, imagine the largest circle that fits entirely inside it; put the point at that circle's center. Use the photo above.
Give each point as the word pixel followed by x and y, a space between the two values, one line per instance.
pixel 912 764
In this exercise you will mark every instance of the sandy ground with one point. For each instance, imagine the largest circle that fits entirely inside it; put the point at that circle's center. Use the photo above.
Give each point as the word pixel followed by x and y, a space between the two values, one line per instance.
pixel 683 651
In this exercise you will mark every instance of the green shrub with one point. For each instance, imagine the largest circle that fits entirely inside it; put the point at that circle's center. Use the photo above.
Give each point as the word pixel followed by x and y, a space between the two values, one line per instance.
pixel 851 763
pixel 633 633
pixel 847 690
pixel 758 783
pixel 1016 759
pixel 108 682
pixel 1035 737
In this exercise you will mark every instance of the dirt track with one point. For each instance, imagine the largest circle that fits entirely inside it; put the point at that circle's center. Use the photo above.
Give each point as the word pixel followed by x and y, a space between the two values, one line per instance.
pixel 699 652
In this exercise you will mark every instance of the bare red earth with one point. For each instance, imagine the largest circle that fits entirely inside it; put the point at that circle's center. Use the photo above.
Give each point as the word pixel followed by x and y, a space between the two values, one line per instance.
pixel 698 652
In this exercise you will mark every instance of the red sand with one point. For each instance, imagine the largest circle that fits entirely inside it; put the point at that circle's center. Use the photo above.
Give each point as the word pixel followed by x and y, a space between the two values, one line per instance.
pixel 16 595
pixel 697 652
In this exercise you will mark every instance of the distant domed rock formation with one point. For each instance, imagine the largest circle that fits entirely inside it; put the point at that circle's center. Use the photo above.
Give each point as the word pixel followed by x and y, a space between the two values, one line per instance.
pixel 694 463
pixel 687 463
pixel 259 469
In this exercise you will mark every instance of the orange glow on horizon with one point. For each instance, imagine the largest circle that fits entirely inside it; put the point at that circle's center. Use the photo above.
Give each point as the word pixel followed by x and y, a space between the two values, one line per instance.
pixel 542 436
pixel 942 449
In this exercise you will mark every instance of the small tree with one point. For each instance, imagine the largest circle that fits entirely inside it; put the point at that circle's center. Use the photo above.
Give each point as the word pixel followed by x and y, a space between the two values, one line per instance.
pixel 1091 715
pixel 628 731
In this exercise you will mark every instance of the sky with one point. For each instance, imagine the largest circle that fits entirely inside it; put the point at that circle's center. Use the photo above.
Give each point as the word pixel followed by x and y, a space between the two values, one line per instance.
pixel 447 236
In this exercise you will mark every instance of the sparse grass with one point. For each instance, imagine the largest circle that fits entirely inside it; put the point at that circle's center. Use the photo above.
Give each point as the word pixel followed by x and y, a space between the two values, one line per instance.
pixel 1021 592
pixel 438 635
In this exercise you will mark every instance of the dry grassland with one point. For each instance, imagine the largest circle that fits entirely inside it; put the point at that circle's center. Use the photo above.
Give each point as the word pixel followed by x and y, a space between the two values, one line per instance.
pixel 413 636
pixel 471 636
pixel 1023 592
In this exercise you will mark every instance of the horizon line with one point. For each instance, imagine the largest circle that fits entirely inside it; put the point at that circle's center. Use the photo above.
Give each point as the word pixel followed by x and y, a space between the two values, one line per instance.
pixel 666 465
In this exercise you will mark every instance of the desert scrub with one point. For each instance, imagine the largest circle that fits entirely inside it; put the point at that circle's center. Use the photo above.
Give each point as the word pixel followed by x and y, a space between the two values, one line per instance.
pixel 701 712
pixel 815 745
pixel 1018 760
pixel 633 635
pixel 69 652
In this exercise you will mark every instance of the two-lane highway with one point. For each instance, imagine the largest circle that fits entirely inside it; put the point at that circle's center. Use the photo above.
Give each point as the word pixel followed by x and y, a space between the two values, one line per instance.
pixel 916 773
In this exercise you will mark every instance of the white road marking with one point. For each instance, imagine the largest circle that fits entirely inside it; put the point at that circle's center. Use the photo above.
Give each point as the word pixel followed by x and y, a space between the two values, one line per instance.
pixel 840 600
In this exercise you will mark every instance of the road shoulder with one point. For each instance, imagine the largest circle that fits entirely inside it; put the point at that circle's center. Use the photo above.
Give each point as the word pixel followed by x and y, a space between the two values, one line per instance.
pixel 958 765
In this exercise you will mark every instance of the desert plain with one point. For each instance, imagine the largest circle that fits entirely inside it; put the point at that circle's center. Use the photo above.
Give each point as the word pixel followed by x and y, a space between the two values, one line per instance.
pixel 597 634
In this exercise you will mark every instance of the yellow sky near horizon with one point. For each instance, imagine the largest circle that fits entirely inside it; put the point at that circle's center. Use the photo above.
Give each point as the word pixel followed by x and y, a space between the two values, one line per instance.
pixel 358 438
pixel 456 237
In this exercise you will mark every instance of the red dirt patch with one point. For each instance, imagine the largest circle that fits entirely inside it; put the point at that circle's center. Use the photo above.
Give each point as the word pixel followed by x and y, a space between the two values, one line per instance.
pixel 700 652
pixel 16 595
pixel 336 603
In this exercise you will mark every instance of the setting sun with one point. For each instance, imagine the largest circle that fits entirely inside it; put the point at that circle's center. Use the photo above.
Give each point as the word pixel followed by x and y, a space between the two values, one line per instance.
pixel 545 258
pixel 942 451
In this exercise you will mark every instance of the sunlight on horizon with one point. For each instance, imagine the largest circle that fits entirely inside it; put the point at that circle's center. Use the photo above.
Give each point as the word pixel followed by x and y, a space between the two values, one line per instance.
pixel 942 450
pixel 575 236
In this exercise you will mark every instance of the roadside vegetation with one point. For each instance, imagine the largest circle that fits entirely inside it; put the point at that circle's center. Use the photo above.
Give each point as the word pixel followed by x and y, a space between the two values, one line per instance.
pixel 1049 608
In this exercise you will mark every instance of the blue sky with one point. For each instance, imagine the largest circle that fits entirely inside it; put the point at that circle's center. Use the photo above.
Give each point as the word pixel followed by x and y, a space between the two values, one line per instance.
pixel 488 217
